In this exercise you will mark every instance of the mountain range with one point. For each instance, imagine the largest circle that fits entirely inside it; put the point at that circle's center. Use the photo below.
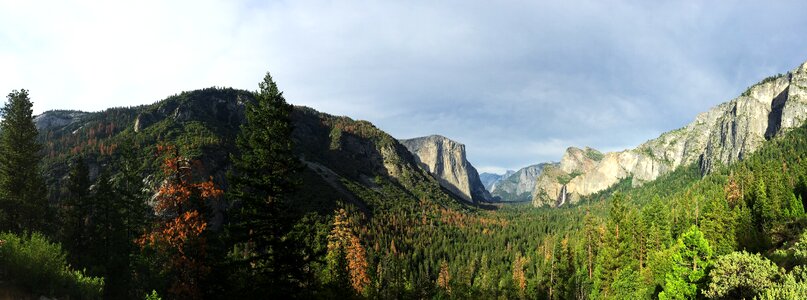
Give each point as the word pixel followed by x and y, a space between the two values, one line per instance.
pixel 515 186
pixel 412 217
pixel 339 148
pixel 721 136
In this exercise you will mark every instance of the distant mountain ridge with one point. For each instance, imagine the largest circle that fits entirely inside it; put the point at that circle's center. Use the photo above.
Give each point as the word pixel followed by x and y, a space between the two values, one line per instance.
pixel 489 179
pixel 723 135
pixel 517 186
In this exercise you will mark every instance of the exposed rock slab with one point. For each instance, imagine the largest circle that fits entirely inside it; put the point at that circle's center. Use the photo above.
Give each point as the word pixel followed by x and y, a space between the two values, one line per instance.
pixel 445 159
pixel 57 118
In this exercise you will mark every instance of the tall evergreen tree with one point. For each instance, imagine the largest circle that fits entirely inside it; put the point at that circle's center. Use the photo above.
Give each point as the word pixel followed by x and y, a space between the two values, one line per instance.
pixel 692 258
pixel 615 258
pixel 23 203
pixel 108 240
pixel 75 211
pixel 263 176
pixel 128 188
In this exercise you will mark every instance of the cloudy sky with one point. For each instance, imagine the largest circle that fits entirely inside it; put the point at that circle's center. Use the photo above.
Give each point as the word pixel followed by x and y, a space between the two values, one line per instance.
pixel 516 81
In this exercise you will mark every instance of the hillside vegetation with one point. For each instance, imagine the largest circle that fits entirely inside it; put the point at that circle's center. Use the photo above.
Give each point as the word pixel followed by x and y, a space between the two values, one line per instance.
pixel 221 193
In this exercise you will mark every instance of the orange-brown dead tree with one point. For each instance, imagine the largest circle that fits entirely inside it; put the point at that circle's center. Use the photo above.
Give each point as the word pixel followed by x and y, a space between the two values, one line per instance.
pixel 177 235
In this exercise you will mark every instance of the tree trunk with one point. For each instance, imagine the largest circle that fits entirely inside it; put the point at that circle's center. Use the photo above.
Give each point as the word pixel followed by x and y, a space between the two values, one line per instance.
pixel 589 257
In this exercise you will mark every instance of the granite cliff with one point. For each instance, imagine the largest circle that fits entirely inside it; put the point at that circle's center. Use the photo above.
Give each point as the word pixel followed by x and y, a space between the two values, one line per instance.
pixel 723 135
pixel 445 160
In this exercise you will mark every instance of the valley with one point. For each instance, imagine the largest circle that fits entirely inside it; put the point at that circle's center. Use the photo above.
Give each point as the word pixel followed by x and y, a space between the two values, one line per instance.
pixel 361 214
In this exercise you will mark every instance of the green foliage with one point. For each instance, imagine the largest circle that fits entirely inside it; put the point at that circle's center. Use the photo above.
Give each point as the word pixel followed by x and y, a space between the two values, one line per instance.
pixel 791 288
pixel 336 138
pixel 793 254
pixel 691 258
pixel 153 296
pixel 626 242
pixel 566 178
pixel 75 210
pixel 23 205
pixel 264 174
pixel 38 265
pixel 740 275
pixel 594 154
pixel 616 273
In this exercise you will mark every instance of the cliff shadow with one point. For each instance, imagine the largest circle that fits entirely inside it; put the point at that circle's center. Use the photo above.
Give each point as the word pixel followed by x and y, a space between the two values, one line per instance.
pixel 775 116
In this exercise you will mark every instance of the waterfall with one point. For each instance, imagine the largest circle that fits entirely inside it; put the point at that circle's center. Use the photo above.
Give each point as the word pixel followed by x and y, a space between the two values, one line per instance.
pixel 562 195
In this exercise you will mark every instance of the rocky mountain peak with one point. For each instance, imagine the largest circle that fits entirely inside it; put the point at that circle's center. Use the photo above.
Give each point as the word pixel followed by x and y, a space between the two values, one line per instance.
pixel 446 160
pixel 57 118
pixel 224 106
pixel 579 160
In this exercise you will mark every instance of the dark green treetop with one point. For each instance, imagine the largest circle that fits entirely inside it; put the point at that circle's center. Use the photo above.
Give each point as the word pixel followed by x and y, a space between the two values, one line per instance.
pixel 23 205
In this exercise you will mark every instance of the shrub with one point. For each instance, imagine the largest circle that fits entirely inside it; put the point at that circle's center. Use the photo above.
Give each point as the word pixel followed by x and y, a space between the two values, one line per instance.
pixel 34 263
pixel 153 296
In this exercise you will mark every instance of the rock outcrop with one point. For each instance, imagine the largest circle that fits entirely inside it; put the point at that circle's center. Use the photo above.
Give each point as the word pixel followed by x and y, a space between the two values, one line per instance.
pixel 445 160
pixel 207 104
pixel 518 185
pixel 723 135
pixel 57 118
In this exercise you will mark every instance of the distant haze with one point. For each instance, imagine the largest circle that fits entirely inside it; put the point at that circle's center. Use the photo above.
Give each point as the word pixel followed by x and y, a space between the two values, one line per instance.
pixel 516 82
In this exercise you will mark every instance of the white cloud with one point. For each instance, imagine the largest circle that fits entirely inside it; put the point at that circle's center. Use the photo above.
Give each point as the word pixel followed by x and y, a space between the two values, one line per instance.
pixel 517 82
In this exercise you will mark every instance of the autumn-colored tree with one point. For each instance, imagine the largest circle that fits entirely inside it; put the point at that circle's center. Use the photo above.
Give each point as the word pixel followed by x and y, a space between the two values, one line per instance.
pixel 177 235
pixel 346 255
pixel 444 278
pixel 733 192
pixel 519 277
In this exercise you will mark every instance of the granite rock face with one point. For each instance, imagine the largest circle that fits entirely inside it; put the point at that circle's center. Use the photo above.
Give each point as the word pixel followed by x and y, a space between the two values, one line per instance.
pixel 57 118
pixel 518 185
pixel 723 135
pixel 445 160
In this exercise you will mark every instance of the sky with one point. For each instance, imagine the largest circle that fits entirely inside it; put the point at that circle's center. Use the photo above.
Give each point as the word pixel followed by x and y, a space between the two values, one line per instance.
pixel 516 81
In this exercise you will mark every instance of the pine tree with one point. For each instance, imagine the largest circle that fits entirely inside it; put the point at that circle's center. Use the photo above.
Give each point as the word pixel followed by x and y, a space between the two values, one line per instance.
pixel 692 257
pixel 346 261
pixel 591 240
pixel 75 212
pixel 264 173
pixel 23 205
pixel 444 277
pixel 127 185
pixel 109 245
pixel 519 278
pixel 763 211
pixel 719 226
pixel 615 257
pixel 796 208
